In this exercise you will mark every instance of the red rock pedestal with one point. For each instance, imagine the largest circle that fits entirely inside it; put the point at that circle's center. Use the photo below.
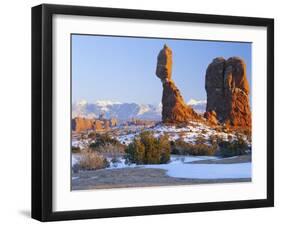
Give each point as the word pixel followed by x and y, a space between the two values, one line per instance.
pixel 174 109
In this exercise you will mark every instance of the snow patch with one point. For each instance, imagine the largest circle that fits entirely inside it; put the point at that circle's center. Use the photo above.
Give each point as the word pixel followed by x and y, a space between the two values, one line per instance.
pixel 143 109
pixel 104 103
pixel 180 167
pixel 206 171
pixel 196 102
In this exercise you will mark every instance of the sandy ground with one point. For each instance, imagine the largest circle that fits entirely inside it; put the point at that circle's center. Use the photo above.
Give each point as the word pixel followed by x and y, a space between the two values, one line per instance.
pixel 145 177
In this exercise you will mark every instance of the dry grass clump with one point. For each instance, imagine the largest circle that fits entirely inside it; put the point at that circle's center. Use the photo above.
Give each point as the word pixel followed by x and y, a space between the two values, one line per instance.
pixel 110 149
pixel 91 160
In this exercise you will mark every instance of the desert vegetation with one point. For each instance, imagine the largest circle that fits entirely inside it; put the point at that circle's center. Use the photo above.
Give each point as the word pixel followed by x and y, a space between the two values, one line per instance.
pixel 151 147
pixel 233 147
pixel 104 144
pixel 215 145
pixel 75 149
pixel 180 147
pixel 146 149
pixel 91 160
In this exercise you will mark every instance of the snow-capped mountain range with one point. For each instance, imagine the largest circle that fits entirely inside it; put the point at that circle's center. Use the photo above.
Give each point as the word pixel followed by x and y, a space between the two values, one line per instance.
pixel 198 105
pixel 125 111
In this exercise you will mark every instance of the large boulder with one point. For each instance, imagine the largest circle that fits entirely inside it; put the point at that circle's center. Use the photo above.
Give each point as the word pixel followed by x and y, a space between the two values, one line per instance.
pixel 174 109
pixel 164 64
pixel 227 90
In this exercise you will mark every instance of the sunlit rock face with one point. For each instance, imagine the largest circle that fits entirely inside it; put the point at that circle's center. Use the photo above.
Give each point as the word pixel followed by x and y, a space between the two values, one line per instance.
pixel 227 90
pixel 174 109
pixel 79 124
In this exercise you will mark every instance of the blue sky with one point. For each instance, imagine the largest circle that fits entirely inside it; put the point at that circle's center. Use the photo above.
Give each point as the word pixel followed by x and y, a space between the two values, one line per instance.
pixel 123 68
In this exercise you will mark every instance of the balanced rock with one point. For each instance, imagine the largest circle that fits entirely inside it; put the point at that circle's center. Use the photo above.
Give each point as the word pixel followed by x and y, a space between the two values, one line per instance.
pixel 164 64
pixel 227 90
pixel 174 109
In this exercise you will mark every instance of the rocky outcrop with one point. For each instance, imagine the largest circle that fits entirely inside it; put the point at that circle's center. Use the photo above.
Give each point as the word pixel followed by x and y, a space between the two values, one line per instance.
pixel 211 117
pixel 164 64
pixel 228 91
pixel 98 125
pixel 174 109
pixel 79 124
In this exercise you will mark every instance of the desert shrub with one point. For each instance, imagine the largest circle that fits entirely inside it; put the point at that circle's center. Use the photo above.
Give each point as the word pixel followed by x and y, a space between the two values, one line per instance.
pixel 246 132
pixel 204 131
pixel 213 139
pixel 180 147
pixel 92 135
pixel 136 152
pixel 165 148
pixel 92 161
pixel 110 148
pixel 83 136
pixel 218 129
pixel 200 139
pixel 102 140
pixel 229 137
pixel 115 160
pixel 146 149
pixel 181 125
pixel 104 143
pixel 75 149
pixel 233 148
pixel 181 134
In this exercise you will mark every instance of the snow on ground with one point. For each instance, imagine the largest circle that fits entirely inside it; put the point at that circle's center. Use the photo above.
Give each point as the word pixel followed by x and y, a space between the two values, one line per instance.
pixel 120 163
pixel 206 171
pixel 188 133
pixel 83 143
pixel 127 139
pixel 188 158
pixel 75 159
pixel 179 167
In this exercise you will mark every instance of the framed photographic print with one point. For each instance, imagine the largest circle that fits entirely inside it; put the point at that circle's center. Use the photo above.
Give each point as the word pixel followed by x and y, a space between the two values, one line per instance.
pixel 145 112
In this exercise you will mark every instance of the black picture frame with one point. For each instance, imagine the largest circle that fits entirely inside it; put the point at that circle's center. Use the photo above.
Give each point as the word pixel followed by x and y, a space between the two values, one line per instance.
pixel 42 107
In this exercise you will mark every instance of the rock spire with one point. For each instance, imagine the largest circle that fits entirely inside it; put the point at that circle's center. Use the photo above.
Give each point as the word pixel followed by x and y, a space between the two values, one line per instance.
pixel 174 109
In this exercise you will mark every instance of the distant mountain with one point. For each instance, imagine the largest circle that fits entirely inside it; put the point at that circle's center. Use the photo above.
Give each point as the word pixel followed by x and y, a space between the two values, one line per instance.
pixel 198 105
pixel 125 111
pixel 121 111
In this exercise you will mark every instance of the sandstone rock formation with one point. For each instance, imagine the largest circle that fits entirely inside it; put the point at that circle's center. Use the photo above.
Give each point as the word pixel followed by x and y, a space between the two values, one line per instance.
pixel 79 124
pixel 98 125
pixel 211 116
pixel 228 91
pixel 113 122
pixel 174 109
